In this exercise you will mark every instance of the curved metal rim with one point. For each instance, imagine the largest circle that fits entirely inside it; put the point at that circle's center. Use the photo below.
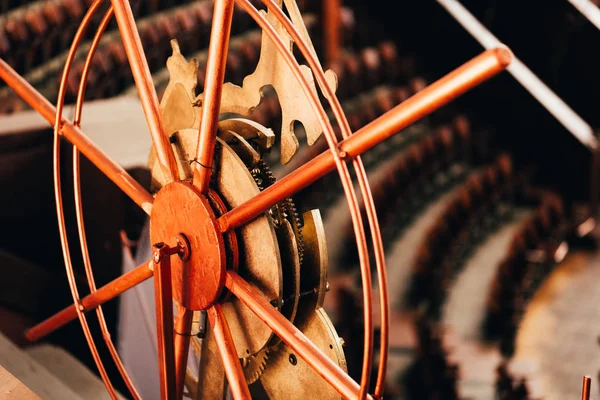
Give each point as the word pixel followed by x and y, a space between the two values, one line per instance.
pixel 59 203
pixel 148 95
pixel 79 205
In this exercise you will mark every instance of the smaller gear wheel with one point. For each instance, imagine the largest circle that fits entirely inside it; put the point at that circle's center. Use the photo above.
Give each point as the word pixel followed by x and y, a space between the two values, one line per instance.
pixel 255 365
pixel 286 209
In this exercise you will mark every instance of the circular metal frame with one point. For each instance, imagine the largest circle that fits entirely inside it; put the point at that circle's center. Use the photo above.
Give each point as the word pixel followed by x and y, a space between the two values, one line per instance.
pixel 479 69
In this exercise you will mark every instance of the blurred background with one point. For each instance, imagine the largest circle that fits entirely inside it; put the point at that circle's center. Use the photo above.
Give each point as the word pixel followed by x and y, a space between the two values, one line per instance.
pixel 487 207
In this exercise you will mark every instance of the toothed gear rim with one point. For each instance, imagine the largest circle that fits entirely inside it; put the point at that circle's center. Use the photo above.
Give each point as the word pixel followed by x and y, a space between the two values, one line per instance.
pixel 286 209
pixel 255 365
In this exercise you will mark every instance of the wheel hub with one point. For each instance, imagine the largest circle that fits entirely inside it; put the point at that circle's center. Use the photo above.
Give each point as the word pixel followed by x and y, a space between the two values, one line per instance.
pixel 180 209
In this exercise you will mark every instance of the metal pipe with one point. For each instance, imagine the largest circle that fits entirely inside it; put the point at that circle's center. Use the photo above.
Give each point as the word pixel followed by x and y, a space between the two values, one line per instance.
pixel 542 93
pixel 589 10
pixel 331 29
pixel 451 86
pixel 211 102
pixel 91 301
pixel 587 388
pixel 183 327
pixel 163 301
pixel 226 346
pixel 293 337
pixel 112 170
pixel 145 86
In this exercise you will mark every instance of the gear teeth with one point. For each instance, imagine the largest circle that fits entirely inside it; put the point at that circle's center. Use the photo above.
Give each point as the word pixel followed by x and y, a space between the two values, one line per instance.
pixel 285 210
pixel 297 224
pixel 255 365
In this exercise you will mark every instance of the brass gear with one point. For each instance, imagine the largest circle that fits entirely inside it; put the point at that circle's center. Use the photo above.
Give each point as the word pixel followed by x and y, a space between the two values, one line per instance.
pixel 240 172
pixel 255 365
pixel 285 209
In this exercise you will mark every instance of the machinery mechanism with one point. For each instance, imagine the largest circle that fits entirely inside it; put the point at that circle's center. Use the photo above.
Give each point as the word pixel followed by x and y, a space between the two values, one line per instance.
pixel 233 256
pixel 271 251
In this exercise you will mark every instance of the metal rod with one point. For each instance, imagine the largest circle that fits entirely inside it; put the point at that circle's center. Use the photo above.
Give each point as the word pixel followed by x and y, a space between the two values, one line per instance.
pixel 91 301
pixel 451 86
pixel 226 346
pixel 542 93
pixel 111 169
pixel 163 300
pixel 183 327
pixel 589 10
pixel 145 86
pixel 211 102
pixel 62 228
pixel 384 306
pixel 88 63
pixel 331 29
pixel 293 337
pixel 586 389
pixel 79 206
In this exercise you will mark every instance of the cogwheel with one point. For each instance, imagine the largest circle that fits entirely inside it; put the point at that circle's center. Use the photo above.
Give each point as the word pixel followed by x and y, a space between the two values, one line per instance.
pixel 254 366
pixel 286 209
pixel 297 224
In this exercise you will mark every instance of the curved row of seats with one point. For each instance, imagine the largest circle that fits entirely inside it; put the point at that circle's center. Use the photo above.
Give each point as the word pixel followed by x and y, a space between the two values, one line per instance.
pixel 399 187
pixel 529 258
pixel 373 66
pixel 432 375
pixel 507 387
pixel 358 66
pixel 110 74
pixel 359 112
pixel 33 35
pixel 434 268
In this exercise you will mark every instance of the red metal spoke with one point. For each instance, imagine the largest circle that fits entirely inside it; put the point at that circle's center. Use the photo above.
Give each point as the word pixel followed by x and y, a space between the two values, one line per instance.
pixel 451 86
pixel 91 301
pixel 586 389
pixel 211 101
pixel 145 86
pixel 163 300
pixel 183 327
pixel 112 170
pixel 231 363
pixel 293 337
pixel 331 29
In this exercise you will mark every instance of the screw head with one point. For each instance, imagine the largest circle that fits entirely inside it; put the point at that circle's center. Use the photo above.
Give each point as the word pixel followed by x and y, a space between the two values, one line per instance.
pixel 293 359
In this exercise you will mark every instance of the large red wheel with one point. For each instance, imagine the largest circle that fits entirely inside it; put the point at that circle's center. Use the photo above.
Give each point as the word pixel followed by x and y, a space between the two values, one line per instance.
pixel 193 230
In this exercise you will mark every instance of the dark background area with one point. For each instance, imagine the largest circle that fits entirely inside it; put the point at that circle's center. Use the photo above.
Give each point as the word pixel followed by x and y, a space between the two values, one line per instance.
pixel 553 39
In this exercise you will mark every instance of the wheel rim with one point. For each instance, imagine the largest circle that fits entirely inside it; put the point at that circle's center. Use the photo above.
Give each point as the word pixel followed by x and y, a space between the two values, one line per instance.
pixel 482 68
